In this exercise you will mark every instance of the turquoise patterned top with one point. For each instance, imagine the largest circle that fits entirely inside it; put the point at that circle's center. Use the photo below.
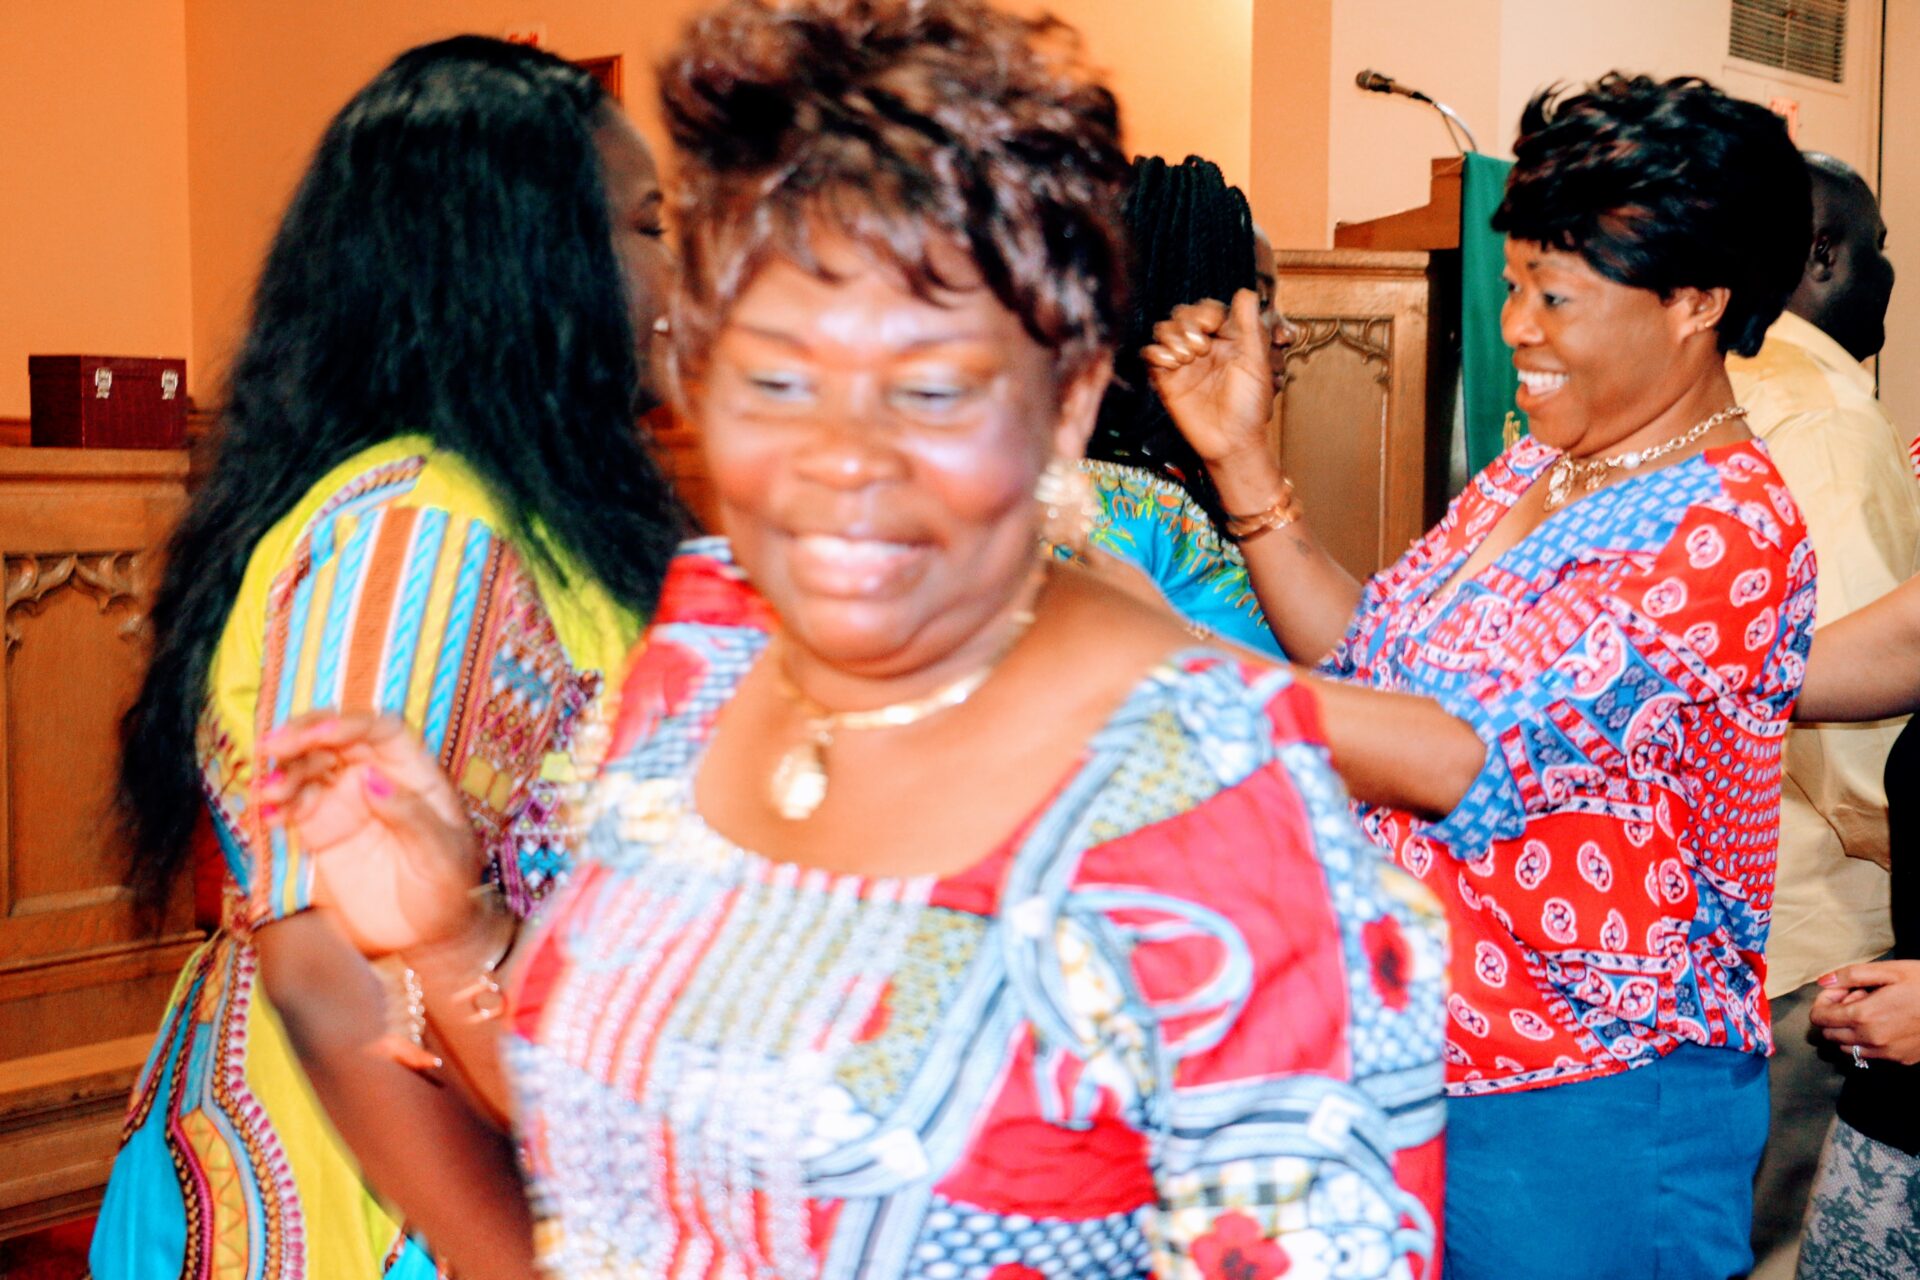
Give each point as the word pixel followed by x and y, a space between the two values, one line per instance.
pixel 1152 524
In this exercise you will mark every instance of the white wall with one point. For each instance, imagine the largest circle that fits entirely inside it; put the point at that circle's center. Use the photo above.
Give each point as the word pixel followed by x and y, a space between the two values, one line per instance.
pixel 1485 58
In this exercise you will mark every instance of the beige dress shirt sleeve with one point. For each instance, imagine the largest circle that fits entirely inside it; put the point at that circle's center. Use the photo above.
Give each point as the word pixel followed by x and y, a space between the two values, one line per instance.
pixel 1848 471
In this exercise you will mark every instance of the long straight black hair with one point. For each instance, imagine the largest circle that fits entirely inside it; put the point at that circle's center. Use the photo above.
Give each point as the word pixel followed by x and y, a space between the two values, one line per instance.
pixel 447 268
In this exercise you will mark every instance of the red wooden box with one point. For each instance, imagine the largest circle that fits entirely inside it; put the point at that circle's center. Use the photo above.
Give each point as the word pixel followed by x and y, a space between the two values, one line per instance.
pixel 108 402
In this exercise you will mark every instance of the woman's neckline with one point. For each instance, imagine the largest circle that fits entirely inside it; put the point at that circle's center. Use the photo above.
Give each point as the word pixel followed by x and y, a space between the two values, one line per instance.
pixel 1448 589
pixel 1161 673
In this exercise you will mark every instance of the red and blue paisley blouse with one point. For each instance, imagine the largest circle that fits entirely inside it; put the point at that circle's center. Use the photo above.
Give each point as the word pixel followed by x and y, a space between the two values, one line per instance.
pixel 1631 665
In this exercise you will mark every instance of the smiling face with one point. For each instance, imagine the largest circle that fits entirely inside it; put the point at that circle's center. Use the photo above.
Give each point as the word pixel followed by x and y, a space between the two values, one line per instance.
pixel 1599 360
pixel 874 457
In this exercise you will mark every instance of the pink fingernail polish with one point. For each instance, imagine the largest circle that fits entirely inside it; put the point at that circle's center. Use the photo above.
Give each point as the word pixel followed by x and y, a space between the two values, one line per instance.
pixel 1828 979
pixel 378 785
pixel 272 778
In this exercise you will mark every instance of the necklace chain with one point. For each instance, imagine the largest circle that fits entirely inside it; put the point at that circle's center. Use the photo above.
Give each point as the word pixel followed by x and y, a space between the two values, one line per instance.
pixel 1591 473
pixel 799 782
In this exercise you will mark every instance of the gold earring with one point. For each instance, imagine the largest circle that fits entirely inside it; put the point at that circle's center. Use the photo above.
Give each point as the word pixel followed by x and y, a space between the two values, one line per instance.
pixel 1066 499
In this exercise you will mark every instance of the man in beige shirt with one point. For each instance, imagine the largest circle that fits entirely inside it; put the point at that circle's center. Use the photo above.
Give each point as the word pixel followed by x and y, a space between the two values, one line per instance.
pixel 1810 399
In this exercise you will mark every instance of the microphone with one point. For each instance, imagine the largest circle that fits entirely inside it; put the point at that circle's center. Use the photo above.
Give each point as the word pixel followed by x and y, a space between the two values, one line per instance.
pixel 1374 82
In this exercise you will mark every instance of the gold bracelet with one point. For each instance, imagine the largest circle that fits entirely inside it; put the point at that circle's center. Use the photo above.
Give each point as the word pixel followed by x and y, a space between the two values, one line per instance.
pixel 1278 514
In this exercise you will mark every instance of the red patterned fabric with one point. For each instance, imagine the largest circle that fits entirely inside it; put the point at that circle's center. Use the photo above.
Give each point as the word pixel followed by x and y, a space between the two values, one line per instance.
pixel 1185 1021
pixel 1632 665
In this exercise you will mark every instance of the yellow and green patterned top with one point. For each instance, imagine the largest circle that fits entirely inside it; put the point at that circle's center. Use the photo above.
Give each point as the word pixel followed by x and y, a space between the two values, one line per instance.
pixel 390 588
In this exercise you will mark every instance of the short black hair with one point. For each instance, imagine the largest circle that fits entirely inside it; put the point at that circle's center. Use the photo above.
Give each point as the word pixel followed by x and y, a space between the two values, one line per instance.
pixel 1666 185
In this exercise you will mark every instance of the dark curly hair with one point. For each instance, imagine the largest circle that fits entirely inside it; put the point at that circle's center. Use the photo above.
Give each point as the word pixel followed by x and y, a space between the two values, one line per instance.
pixel 1666 185
pixel 898 124
pixel 1190 235
pixel 447 268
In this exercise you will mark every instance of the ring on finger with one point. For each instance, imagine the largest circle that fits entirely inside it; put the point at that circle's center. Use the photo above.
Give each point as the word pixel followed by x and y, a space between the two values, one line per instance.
pixel 1853 1050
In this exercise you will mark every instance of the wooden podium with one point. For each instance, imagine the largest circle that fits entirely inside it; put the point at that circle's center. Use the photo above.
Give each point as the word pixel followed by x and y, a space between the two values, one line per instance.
pixel 1367 401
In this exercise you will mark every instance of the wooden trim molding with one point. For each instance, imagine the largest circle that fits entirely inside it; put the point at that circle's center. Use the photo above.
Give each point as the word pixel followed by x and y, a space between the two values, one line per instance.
pixel 60 1120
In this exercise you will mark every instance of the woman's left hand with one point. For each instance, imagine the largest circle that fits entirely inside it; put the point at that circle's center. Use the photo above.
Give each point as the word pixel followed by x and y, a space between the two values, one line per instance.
pixel 1874 1007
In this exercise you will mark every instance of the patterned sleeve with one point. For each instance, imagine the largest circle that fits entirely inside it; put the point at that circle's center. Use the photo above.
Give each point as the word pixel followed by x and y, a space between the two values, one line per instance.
pixel 427 614
pixel 1303 1126
pixel 1153 525
pixel 1594 678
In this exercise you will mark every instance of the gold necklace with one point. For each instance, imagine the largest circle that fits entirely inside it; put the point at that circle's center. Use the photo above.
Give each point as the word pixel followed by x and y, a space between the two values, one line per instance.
pixel 1590 473
pixel 799 782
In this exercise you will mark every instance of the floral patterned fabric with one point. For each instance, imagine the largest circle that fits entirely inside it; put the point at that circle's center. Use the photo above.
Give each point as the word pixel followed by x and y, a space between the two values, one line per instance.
pixel 387 589
pixel 1185 1022
pixel 1631 665
pixel 1154 525
pixel 1864 1220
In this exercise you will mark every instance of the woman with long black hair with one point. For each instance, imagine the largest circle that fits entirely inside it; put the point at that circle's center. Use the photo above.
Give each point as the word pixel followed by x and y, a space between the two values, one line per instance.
pixel 428 500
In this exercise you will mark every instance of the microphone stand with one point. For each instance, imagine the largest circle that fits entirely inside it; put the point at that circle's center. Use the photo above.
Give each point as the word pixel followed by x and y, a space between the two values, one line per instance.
pixel 1374 82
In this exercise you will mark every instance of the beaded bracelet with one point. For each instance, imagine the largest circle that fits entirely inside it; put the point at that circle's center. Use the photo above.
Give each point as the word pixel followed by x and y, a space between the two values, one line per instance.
pixel 1278 514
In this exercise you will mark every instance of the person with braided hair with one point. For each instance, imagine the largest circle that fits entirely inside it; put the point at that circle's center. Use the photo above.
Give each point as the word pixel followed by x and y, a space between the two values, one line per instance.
pixel 1153 506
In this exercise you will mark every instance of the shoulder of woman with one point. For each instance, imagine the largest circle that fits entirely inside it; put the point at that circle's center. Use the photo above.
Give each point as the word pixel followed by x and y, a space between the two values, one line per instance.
pixel 1238 710
pixel 316 527
pixel 1135 505
pixel 709 624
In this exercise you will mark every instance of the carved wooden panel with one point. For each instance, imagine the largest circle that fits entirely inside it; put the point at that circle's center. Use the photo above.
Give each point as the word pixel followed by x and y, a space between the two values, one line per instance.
pixel 78 532
pixel 1352 426
pixel 82 980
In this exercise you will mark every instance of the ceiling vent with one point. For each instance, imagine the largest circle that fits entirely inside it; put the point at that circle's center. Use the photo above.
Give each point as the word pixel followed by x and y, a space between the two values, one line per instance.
pixel 1807 37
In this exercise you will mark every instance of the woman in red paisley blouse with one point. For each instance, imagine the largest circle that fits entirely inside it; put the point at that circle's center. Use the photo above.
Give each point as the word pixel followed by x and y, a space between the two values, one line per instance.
pixel 1620 605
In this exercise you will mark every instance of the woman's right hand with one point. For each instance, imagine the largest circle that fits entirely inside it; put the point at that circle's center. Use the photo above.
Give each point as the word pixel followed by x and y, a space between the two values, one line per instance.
pixel 394 856
pixel 1209 365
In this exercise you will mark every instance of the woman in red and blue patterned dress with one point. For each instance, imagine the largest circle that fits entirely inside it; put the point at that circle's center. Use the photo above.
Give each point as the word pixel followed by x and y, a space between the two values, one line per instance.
pixel 1621 607
pixel 943 910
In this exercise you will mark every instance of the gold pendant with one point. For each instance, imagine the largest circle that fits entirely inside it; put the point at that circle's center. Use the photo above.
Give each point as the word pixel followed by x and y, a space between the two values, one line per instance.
pixel 1558 481
pixel 800 780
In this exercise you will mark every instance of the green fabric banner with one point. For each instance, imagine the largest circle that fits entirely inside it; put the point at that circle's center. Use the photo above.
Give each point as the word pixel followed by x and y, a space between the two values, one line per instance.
pixel 1486 363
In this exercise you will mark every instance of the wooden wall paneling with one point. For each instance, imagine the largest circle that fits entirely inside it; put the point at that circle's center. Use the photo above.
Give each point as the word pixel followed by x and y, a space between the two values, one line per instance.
pixel 83 979
pixel 1357 395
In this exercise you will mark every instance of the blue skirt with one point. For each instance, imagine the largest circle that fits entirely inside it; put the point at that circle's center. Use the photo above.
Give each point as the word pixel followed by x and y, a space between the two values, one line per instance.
pixel 1644 1174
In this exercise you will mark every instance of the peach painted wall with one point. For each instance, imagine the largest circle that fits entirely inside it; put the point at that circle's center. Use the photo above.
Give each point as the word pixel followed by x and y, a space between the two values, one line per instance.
pixel 1291 119
pixel 1576 41
pixel 1182 71
pixel 94 244
pixel 264 80
pixel 1380 145
pixel 1900 205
